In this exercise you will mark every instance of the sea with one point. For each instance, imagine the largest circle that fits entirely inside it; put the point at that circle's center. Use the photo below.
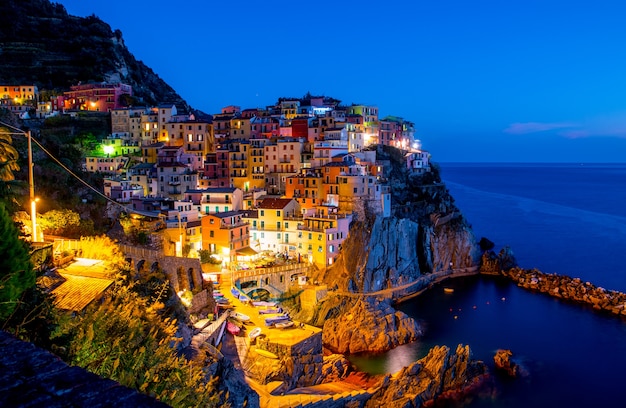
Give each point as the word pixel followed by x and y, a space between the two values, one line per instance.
pixel 568 219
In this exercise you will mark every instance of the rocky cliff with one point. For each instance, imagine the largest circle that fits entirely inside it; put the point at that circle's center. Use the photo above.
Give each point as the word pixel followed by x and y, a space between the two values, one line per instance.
pixel 369 326
pixel 426 233
pixel 441 375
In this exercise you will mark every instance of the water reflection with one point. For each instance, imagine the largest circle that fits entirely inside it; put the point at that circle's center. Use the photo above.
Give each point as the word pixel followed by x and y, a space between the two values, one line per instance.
pixel 391 361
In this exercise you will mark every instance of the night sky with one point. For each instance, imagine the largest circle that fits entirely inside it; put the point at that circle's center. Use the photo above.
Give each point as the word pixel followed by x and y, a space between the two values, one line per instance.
pixel 483 81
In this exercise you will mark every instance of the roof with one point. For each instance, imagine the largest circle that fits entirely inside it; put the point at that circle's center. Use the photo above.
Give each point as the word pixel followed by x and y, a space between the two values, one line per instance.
pixel 246 251
pixel 196 223
pixel 85 281
pixel 274 203
pixel 210 190
pixel 225 214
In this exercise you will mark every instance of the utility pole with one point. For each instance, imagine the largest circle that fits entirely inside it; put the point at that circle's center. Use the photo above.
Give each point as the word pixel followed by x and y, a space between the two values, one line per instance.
pixel 31 186
pixel 31 179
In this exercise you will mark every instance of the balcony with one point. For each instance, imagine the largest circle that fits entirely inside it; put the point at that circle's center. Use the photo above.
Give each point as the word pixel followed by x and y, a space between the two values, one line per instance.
pixel 235 225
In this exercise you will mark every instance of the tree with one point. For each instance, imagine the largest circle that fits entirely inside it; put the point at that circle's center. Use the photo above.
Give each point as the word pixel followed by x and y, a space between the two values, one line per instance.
pixel 16 271
pixel 8 156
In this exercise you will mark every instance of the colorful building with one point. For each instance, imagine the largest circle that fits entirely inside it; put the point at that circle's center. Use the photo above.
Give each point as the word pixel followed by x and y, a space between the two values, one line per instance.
pixel 101 97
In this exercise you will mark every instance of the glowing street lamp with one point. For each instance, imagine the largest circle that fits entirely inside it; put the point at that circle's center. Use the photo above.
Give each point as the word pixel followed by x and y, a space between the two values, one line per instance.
pixel 31 182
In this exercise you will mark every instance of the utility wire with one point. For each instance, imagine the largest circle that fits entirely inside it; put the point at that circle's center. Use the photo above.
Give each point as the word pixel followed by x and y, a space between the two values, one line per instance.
pixel 25 133
pixel 75 176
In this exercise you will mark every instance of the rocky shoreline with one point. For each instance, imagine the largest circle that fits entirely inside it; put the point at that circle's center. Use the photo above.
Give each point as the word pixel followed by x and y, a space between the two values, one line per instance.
pixel 572 289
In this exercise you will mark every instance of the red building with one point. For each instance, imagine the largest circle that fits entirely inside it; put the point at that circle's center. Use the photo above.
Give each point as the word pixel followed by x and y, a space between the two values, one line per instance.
pixel 101 97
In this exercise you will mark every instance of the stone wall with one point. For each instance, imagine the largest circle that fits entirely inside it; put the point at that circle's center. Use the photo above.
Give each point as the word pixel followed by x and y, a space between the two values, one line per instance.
pixel 300 364
pixel 30 376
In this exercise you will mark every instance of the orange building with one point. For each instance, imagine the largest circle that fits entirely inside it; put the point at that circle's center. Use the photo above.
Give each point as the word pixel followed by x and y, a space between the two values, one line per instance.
pixel 224 233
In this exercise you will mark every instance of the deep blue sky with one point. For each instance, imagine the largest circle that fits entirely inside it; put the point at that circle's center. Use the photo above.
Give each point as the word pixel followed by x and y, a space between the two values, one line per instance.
pixel 493 80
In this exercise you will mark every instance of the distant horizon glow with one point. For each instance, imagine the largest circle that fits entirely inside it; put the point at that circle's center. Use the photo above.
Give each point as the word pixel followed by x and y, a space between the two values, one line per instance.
pixel 535 81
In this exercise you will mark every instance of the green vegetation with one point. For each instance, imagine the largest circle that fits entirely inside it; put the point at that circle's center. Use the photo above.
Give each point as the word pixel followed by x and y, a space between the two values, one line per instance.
pixel 126 339
pixel 16 271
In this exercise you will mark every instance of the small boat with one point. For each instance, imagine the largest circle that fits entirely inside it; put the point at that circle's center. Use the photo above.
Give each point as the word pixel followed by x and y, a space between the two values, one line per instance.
pixel 284 325
pixel 271 321
pixel 225 306
pixel 271 310
pixel 256 332
pixel 448 290
pixel 232 328
pixel 222 301
pixel 241 317
pixel 235 293
pixel 265 353
pixel 261 303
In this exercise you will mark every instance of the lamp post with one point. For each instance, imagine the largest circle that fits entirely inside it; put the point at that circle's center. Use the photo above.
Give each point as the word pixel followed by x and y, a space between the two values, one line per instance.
pixel 31 182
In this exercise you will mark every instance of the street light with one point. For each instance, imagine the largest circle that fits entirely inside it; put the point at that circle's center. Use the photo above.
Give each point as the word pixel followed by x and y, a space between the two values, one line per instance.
pixel 31 182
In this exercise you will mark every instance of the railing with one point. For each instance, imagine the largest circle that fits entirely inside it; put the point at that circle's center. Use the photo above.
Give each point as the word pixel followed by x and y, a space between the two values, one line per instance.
pixel 250 273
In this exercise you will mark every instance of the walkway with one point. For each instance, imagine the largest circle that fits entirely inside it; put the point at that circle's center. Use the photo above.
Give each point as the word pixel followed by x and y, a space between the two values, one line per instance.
pixel 422 283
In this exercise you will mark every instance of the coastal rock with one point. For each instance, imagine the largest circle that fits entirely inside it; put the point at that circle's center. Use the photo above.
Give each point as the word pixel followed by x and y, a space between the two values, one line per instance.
pixel 503 362
pixel 231 383
pixel 369 326
pixel 442 374
pixel 572 289
pixel 335 367
pixel 392 258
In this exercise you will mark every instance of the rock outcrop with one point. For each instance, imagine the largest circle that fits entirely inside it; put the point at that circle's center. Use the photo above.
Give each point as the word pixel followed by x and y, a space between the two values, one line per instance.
pixel 503 362
pixel 573 289
pixel 425 233
pixel 369 325
pixel 442 374
pixel 392 259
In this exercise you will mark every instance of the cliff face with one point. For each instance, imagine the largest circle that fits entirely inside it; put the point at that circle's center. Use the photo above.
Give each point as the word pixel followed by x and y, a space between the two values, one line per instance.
pixel 369 325
pixel 426 233
pixel 441 375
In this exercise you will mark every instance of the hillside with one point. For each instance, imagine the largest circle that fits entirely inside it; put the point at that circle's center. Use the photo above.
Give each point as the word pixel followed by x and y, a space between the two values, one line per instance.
pixel 41 44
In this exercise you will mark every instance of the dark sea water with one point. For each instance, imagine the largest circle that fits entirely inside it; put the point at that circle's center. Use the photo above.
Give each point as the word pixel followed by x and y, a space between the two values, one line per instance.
pixel 560 218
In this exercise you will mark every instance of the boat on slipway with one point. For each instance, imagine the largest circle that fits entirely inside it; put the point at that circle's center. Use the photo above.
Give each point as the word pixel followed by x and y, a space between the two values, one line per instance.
pixel 271 321
pixel 284 325
pixel 241 317
pixel 254 333
pixel 232 328
pixel 271 310
pixel 265 353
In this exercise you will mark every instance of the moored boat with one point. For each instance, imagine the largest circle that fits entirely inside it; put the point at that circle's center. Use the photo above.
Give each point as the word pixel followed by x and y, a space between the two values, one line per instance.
pixel 265 353
pixel 271 321
pixel 232 328
pixel 254 333
pixel 271 310
pixel 241 317
pixel 284 325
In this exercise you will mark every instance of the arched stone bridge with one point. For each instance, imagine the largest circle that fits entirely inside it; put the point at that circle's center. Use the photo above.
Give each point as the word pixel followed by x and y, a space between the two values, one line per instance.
pixel 183 273
pixel 276 280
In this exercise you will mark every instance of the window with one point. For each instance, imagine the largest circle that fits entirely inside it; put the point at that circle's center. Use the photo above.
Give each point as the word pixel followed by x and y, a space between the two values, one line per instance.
pixel 211 233
pixel 278 213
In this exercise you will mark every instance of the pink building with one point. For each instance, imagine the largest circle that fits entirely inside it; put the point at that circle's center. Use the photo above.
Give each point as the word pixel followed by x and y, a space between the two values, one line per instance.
pixel 101 97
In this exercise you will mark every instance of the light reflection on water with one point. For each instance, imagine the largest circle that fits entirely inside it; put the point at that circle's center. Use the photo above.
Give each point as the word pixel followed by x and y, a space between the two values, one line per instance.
pixel 391 361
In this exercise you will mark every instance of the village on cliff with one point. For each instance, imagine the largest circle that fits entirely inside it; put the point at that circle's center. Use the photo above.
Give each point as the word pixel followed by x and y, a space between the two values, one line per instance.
pixel 276 231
